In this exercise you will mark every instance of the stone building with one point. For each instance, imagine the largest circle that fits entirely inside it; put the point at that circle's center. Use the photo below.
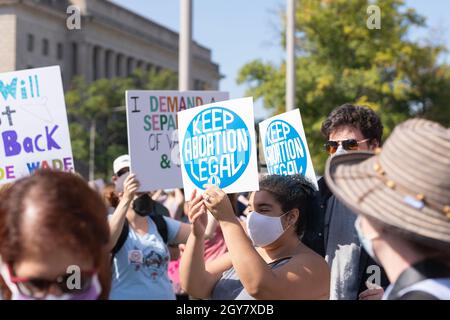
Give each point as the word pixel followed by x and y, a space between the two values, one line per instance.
pixel 111 42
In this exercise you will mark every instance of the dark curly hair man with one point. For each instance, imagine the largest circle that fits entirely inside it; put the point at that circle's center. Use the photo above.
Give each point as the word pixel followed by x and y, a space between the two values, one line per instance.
pixel 331 231
pixel 351 127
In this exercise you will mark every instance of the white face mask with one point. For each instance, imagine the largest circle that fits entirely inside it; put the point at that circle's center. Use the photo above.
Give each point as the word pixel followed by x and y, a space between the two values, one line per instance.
pixel 120 180
pixel 264 230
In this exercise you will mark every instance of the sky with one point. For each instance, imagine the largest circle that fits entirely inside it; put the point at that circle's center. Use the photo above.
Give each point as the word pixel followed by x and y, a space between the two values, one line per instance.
pixel 239 31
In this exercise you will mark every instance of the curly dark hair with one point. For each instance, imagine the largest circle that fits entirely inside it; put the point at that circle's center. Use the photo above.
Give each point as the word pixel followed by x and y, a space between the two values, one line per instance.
pixel 293 191
pixel 362 118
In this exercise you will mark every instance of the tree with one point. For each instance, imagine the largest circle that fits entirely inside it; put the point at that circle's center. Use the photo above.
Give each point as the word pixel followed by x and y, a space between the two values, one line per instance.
pixel 339 60
pixel 100 102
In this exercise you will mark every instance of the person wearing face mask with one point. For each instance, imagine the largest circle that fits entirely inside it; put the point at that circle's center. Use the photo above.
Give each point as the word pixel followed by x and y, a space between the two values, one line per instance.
pixel 53 240
pixel 139 241
pixel 331 231
pixel 270 262
pixel 402 198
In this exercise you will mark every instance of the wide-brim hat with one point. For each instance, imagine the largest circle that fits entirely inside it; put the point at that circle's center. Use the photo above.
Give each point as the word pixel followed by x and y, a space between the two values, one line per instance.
pixel 405 185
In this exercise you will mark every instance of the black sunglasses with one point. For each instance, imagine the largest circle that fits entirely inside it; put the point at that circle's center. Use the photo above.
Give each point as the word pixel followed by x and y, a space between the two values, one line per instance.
pixel 349 144
pixel 122 171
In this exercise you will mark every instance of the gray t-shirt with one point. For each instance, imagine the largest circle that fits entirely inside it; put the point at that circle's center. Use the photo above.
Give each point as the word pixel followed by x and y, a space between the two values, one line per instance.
pixel 342 251
pixel 229 287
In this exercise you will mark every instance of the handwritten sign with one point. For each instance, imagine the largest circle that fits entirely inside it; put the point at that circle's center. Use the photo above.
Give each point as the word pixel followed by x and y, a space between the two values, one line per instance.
pixel 33 123
pixel 152 133
pixel 218 147
pixel 285 148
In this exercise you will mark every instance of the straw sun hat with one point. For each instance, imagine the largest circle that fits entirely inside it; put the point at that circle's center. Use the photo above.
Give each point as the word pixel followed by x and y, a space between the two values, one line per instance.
pixel 406 185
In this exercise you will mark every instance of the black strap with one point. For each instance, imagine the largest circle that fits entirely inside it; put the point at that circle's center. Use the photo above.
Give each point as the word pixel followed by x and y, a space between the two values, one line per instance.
pixel 161 226
pixel 122 238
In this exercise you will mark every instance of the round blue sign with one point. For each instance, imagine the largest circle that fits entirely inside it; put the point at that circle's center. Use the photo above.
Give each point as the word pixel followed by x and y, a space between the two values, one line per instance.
pixel 284 150
pixel 216 147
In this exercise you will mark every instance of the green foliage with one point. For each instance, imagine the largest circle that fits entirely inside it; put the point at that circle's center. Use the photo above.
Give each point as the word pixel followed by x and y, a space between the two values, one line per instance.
pixel 101 101
pixel 340 60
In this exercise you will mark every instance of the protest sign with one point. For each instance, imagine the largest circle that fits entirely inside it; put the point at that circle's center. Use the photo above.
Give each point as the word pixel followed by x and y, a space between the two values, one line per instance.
pixel 33 123
pixel 218 146
pixel 152 133
pixel 285 148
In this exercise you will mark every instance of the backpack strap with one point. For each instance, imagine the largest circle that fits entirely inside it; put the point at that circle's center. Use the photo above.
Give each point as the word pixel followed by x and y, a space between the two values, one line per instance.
pixel 161 225
pixel 122 238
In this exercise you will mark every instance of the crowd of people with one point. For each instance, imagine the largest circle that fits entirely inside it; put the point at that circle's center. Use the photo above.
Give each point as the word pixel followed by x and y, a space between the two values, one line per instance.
pixel 377 228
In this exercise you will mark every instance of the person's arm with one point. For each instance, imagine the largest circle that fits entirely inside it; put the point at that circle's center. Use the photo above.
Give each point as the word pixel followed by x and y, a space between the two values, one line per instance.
pixel 117 219
pixel 183 233
pixel 195 278
pixel 259 280
pixel 211 227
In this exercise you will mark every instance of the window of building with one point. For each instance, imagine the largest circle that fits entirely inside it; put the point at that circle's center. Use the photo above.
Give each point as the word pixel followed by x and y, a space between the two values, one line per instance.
pixel 60 51
pixel 199 85
pixel 119 70
pixel 30 42
pixel 45 47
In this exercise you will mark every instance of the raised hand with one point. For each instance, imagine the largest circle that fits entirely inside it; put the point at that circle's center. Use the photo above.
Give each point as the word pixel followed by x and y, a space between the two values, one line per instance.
pixel 197 215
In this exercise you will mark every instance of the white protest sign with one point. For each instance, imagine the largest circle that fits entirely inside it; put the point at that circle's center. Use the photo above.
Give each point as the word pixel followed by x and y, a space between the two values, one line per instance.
pixel 33 123
pixel 218 146
pixel 285 148
pixel 152 133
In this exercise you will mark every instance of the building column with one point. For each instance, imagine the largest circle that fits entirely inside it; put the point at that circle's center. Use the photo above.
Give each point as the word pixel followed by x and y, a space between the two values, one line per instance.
pixel 111 64
pixel 85 61
pixel 131 65
pixel 123 63
pixel 99 53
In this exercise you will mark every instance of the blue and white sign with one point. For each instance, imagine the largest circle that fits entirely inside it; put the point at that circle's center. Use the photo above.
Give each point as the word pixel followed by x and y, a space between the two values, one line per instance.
pixel 285 147
pixel 218 146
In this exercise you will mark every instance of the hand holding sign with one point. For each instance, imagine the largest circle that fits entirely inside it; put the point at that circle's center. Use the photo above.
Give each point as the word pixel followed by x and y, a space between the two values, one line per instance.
pixel 198 217
pixel 218 203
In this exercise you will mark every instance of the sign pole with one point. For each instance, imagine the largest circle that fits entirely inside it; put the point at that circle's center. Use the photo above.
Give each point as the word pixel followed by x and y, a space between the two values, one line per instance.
pixel 290 59
pixel 185 45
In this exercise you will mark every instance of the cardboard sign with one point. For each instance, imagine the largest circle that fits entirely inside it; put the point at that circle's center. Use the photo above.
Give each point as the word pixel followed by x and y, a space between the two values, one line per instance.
pixel 218 147
pixel 152 134
pixel 34 132
pixel 285 148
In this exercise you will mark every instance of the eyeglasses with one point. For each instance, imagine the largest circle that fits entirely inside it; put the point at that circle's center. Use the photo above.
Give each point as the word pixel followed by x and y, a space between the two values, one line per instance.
pixel 39 288
pixel 349 144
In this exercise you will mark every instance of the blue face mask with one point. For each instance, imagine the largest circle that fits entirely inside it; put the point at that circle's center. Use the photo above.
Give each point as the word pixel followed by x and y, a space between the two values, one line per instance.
pixel 366 242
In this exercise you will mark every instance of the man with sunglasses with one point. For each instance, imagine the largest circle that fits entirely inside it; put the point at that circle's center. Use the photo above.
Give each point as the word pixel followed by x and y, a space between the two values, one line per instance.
pixel 354 275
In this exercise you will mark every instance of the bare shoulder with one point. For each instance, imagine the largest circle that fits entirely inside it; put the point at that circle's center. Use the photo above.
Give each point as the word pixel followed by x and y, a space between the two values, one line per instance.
pixel 311 262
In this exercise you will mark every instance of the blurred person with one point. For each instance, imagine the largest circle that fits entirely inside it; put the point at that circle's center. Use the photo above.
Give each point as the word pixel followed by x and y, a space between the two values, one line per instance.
pixel 53 239
pixel 139 241
pixel 332 232
pixel 173 200
pixel 402 198
pixel 269 263
pixel 110 197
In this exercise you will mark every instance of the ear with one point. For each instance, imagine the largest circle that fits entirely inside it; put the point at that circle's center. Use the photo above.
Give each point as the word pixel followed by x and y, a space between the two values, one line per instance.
pixel 293 216
pixel 373 144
